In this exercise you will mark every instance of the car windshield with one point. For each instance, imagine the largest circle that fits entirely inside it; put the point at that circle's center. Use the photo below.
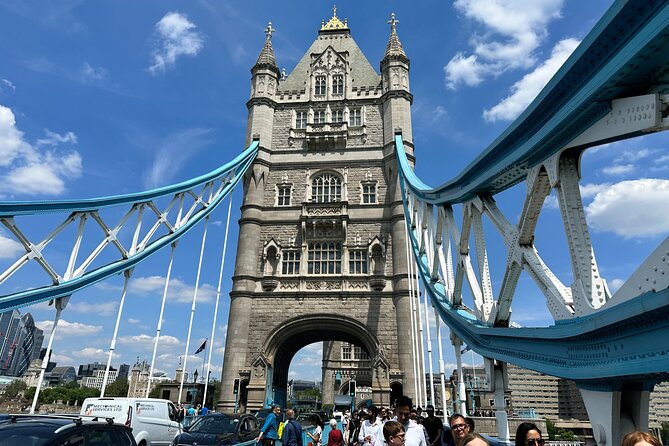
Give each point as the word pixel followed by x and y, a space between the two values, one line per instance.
pixel 218 424
pixel 25 436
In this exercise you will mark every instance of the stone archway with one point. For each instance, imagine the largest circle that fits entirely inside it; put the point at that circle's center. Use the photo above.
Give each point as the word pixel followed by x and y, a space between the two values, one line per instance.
pixel 269 379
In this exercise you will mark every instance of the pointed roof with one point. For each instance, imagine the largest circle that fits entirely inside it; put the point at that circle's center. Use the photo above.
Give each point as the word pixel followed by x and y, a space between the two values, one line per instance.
pixel 394 48
pixel 339 39
pixel 266 58
pixel 334 23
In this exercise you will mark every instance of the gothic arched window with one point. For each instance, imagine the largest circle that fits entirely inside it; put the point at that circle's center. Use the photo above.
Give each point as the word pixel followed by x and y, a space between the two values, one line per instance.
pixel 320 86
pixel 326 188
pixel 338 84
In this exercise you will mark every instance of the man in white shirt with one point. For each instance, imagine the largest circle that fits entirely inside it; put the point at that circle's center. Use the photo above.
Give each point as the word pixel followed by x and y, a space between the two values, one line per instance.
pixel 415 434
pixel 371 433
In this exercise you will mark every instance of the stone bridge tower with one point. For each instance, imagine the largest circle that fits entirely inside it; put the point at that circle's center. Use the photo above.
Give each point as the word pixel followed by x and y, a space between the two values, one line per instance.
pixel 321 251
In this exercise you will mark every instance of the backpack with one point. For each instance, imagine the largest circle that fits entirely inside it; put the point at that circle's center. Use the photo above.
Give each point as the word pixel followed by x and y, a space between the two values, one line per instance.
pixel 279 431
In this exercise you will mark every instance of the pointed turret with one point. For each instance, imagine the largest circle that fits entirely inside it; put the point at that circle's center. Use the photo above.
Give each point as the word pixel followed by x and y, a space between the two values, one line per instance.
pixel 396 91
pixel 264 81
pixel 394 48
pixel 266 57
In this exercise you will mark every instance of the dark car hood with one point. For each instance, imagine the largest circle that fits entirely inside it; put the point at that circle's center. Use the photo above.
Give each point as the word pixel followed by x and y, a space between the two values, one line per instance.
pixel 205 439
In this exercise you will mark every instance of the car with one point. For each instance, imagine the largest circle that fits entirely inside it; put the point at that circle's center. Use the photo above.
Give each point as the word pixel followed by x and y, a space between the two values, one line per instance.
pixel 57 430
pixel 218 429
pixel 153 420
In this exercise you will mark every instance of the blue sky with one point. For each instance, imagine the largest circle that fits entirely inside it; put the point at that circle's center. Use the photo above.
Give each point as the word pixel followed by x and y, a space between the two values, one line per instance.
pixel 101 98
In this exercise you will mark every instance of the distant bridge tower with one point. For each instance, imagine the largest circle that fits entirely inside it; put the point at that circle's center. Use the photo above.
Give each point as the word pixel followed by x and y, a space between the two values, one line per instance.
pixel 321 252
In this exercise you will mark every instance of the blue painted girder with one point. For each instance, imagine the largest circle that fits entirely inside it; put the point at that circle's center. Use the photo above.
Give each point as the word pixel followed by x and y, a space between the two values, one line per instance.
pixel 627 342
pixel 67 287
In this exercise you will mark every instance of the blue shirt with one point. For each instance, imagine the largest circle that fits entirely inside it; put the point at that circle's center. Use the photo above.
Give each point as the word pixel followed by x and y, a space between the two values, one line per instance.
pixel 204 410
pixel 269 429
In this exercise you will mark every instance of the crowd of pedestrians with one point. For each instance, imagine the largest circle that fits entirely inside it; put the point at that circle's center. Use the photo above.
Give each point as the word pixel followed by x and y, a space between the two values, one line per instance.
pixel 406 427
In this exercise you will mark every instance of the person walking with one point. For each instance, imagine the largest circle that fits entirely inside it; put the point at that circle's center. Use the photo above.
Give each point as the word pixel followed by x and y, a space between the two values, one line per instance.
pixel 317 434
pixel 269 432
pixel 434 426
pixel 335 438
pixel 292 430
pixel 414 433
pixel 459 428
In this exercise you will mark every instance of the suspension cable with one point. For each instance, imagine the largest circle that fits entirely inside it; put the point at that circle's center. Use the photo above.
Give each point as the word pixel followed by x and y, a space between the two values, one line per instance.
pixel 429 348
pixel 59 304
pixel 160 318
pixel 414 356
pixel 421 335
pixel 442 374
pixel 126 277
pixel 192 310
pixel 218 295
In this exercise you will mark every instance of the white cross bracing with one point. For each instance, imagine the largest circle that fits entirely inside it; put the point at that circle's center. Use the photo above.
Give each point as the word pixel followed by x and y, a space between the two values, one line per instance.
pixel 132 227
pixel 438 238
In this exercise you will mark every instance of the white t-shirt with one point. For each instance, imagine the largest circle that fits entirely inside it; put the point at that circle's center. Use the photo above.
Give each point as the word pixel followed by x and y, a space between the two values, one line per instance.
pixel 374 430
pixel 318 432
pixel 415 434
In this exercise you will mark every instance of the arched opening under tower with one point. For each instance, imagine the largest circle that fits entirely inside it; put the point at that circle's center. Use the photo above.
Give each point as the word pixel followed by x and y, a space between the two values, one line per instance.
pixel 283 343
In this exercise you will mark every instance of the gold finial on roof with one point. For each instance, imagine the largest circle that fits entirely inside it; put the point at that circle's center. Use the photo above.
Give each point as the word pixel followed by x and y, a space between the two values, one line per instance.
pixel 334 22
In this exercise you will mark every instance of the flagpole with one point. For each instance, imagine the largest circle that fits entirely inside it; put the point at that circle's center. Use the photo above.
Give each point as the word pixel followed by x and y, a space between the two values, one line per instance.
pixel 204 356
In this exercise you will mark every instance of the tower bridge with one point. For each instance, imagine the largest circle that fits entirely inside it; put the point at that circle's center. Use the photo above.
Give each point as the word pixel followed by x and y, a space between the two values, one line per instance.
pixel 338 237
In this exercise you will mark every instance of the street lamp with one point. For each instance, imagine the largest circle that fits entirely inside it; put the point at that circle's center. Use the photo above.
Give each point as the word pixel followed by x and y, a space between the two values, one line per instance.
pixel 195 375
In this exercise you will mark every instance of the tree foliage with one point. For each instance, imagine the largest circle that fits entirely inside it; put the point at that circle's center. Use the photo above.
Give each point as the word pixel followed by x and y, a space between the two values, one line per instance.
pixel 13 388
pixel 118 388
pixel 551 430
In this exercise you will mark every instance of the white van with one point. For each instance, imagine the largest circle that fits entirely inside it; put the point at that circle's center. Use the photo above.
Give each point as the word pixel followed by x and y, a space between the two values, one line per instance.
pixel 153 421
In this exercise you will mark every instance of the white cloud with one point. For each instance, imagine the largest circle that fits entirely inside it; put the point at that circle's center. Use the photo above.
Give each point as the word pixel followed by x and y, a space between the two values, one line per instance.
pixel 69 329
pixel 12 144
pixel 90 73
pixel 175 37
pixel 133 320
pixel 590 190
pixel 525 90
pixel 619 169
pixel 28 170
pixel 61 359
pixel 53 138
pixel 99 308
pixel 173 152
pixel 144 341
pixel 551 202
pixel 512 31
pixel 464 69
pixel 9 248
pixel 91 353
pixel 178 290
pixel 635 208
pixel 6 86
pixel 615 284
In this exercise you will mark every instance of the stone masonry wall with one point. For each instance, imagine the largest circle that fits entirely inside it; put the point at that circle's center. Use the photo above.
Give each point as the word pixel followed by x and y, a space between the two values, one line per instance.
pixel 373 309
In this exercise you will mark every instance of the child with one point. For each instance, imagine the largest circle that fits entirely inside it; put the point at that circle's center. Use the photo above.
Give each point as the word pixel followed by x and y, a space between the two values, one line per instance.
pixel 394 434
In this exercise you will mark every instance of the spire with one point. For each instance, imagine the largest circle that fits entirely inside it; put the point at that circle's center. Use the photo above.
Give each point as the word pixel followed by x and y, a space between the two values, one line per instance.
pixel 394 48
pixel 266 57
